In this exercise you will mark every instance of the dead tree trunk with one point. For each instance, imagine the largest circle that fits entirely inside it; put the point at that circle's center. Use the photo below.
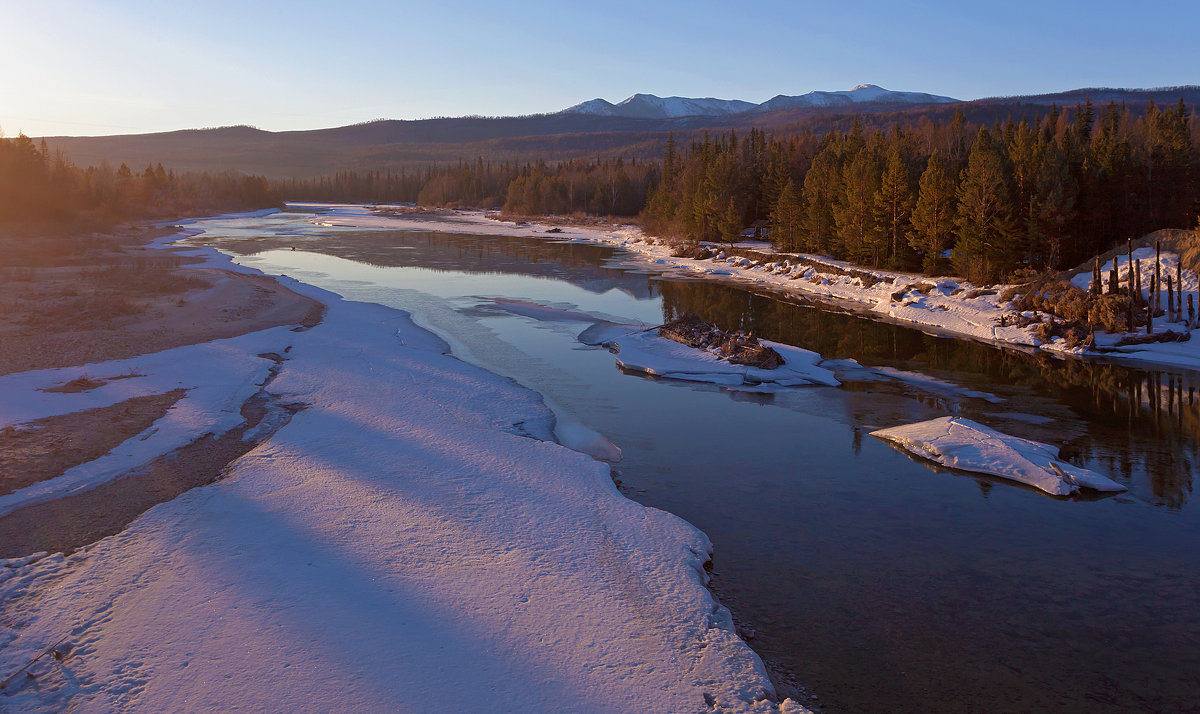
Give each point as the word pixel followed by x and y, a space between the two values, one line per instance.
pixel 1157 276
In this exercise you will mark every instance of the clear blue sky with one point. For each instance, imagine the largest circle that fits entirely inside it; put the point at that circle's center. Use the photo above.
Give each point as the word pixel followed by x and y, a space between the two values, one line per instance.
pixel 125 66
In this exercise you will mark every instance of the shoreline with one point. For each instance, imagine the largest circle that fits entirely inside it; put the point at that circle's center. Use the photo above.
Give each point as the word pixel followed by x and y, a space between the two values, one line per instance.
pixel 300 478
pixel 937 310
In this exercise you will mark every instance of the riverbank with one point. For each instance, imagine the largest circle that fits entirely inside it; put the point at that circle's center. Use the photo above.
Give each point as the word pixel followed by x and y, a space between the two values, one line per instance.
pixel 408 537
pixel 944 305
pixel 107 298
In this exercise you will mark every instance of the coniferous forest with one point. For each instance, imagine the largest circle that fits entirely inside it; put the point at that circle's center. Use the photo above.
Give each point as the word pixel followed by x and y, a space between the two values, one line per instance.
pixel 42 191
pixel 985 201
pixel 982 201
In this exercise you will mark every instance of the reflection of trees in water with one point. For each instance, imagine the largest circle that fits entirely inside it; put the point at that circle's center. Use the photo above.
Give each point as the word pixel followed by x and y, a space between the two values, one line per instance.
pixel 1149 420
pixel 581 264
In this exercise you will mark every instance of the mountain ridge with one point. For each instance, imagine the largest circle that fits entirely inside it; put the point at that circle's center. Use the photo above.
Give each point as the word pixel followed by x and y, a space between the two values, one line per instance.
pixel 415 144
pixel 649 106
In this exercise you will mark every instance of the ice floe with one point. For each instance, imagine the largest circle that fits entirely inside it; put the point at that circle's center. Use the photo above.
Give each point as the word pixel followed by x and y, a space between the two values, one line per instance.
pixel 963 444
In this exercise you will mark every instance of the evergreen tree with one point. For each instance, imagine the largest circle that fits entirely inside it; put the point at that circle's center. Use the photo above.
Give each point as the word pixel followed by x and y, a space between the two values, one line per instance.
pixel 854 211
pixel 933 216
pixel 984 224
pixel 787 219
pixel 1055 201
pixel 894 201
pixel 822 184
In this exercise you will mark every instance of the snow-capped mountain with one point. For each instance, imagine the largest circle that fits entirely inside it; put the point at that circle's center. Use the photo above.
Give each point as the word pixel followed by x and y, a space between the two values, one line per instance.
pixel 648 106
pixel 862 94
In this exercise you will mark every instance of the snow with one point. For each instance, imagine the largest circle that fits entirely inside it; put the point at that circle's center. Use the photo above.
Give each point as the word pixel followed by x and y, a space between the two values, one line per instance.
pixel 963 444
pixel 1169 263
pixel 641 350
pixel 945 310
pixel 401 543
pixel 651 106
pixel 219 377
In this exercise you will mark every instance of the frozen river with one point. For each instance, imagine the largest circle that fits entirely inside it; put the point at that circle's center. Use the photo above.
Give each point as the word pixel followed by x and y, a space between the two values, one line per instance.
pixel 866 578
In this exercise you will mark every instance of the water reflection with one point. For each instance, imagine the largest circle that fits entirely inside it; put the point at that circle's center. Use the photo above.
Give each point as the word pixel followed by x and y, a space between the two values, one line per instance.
pixel 582 265
pixel 1105 412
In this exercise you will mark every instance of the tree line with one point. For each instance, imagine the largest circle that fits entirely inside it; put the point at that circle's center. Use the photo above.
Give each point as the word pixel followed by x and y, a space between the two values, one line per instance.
pixel 984 201
pixel 40 189
pixel 613 187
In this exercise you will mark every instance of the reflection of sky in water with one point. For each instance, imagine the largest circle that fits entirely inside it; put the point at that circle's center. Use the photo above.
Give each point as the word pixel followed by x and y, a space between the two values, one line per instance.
pixel 872 577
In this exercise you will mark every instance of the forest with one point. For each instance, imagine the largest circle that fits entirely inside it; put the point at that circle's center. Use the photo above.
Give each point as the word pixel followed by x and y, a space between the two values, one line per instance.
pixel 986 201
pixel 44 191
pixel 983 201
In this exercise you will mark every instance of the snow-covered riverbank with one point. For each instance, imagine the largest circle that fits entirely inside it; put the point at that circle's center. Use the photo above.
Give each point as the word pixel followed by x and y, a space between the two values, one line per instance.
pixel 940 305
pixel 411 539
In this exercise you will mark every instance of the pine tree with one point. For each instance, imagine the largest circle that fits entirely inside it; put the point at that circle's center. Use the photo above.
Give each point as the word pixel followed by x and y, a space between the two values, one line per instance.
pixel 821 186
pixel 729 222
pixel 984 215
pixel 1055 200
pixel 787 219
pixel 894 200
pixel 854 209
pixel 934 214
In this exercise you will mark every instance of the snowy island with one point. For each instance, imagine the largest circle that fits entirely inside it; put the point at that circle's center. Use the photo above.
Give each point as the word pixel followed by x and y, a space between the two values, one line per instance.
pixel 962 444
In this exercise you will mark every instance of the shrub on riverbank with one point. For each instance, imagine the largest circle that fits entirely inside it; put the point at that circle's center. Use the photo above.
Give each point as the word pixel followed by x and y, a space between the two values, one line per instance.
pixel 1076 308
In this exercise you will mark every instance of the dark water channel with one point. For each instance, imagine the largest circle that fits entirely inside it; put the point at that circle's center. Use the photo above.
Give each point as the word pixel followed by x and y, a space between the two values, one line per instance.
pixel 868 579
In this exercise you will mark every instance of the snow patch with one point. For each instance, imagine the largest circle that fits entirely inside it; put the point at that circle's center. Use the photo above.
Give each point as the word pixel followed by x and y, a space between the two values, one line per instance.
pixel 644 351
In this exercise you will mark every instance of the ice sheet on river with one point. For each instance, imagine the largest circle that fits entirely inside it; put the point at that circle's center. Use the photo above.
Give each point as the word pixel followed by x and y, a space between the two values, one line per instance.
pixel 644 351
pixel 963 444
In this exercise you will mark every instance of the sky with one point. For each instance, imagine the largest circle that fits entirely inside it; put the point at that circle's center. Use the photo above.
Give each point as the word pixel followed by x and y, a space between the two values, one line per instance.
pixel 80 67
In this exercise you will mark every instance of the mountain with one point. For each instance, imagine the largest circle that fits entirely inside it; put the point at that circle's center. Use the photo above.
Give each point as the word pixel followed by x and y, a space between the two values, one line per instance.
pixel 573 134
pixel 862 94
pixel 648 106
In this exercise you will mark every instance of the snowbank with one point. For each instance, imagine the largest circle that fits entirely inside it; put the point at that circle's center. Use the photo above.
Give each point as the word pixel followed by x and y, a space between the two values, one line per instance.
pixel 963 444
pixel 401 544
pixel 641 350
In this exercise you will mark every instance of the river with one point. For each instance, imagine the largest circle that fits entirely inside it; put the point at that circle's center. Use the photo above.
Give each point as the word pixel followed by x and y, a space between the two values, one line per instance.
pixel 867 580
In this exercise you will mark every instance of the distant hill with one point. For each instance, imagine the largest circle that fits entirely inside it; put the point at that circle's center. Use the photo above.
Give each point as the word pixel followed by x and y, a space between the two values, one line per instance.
pixel 570 134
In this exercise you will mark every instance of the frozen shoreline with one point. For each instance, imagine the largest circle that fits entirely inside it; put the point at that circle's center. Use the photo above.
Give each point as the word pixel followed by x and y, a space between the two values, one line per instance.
pixel 943 308
pixel 402 542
